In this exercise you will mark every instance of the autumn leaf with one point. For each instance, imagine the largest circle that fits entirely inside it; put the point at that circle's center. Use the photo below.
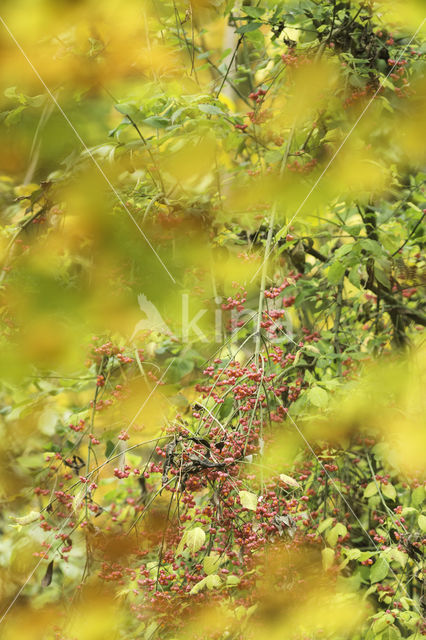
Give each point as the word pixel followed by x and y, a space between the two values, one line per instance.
pixel 248 500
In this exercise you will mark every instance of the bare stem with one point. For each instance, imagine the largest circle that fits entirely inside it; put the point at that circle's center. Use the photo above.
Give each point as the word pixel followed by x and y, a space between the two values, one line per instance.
pixel 267 252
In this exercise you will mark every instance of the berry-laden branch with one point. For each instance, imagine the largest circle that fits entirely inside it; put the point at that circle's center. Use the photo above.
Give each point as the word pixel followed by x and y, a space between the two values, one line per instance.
pixel 268 250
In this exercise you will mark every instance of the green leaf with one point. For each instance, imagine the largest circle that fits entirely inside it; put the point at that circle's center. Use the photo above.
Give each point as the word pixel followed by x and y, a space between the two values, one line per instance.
pixel 254 12
pixel 392 633
pixel 10 92
pixel 36 101
pixel 327 555
pixel 325 524
pixel 398 556
pixel 318 397
pixel 47 421
pixel 382 273
pixel 179 368
pixel 250 26
pixel 157 122
pixel 110 447
pixel 211 563
pixel 370 490
pixel 32 460
pixel 210 109
pixel 421 521
pixel 344 250
pixel 336 272
pixel 379 570
pixel 256 38
pixel 198 587
pixel 195 539
pixel 232 581
pixel 356 81
pixel 150 630
pixel 371 246
pixel 341 529
pixel 382 622
pixel 389 491
pixel 354 277
pixel 127 108
pixel 33 516
pixel 332 536
pixel 418 496
pixel 213 581
pixel 352 554
pixel 291 481
pixel 312 349
pixel 14 116
pixel 248 500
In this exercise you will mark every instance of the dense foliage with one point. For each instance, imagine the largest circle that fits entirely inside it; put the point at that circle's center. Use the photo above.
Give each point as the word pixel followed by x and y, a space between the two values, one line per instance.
pixel 212 223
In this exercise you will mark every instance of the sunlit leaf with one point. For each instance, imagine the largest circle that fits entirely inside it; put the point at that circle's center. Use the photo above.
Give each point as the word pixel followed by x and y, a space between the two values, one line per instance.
pixel 327 558
pixel 248 500
pixel 379 570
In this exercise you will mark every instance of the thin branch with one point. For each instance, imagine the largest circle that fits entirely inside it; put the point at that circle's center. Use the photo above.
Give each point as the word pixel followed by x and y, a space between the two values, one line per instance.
pixel 418 223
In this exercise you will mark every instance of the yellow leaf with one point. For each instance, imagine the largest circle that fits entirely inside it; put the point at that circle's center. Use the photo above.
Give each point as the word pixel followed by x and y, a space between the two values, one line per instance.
pixel 212 563
pixel 33 516
pixel 327 558
pixel 248 500
pixel 291 481
pixel 194 540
